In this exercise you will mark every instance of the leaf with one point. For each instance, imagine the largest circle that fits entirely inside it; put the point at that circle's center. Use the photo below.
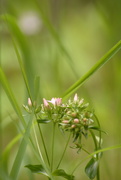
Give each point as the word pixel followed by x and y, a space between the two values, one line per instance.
pixel 44 121
pixel 39 169
pixel 96 128
pixel 24 47
pixel 91 168
pixel 11 97
pixel 62 173
pixel 6 153
pixel 95 68
pixel 21 151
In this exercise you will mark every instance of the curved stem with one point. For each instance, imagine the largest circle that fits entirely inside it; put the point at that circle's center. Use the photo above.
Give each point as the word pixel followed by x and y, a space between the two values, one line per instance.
pixel 53 140
pixel 64 151
pixel 96 148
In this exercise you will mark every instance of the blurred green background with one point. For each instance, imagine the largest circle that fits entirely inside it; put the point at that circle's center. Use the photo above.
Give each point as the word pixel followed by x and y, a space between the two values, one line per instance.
pixel 60 40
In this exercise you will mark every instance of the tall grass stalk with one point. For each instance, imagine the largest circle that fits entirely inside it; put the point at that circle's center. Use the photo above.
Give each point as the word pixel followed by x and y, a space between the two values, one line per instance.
pixel 95 68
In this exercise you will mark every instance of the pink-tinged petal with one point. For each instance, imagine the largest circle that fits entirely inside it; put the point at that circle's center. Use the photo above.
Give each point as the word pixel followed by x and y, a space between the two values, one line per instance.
pixel 29 102
pixel 75 97
pixel 58 101
pixel 45 103
pixel 53 101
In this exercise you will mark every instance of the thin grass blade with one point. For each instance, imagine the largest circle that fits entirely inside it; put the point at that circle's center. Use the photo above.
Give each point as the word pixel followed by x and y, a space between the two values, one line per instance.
pixel 11 96
pixel 24 48
pixel 21 152
pixel 94 69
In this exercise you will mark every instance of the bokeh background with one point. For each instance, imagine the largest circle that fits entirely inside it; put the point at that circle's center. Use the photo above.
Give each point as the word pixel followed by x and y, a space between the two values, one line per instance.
pixel 59 41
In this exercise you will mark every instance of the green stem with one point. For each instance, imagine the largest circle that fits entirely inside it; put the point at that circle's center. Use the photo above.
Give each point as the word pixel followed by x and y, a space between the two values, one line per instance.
pixel 42 138
pixel 96 148
pixel 98 173
pixel 53 140
pixel 94 139
pixel 38 145
pixel 100 135
pixel 64 151
pixel 40 131
pixel 85 150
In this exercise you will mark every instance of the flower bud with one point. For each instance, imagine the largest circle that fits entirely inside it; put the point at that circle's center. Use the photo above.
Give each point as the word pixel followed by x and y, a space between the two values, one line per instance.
pixel 74 114
pixel 46 105
pixel 29 102
pixel 81 101
pixel 73 126
pixel 58 101
pixel 85 120
pixel 76 120
pixel 65 121
pixel 75 98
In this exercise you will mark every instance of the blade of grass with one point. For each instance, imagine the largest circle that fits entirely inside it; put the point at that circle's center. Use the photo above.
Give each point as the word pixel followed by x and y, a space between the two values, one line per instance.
pixel 20 155
pixel 11 96
pixel 37 89
pixel 22 70
pixel 24 47
pixel 95 68
pixel 4 175
pixel 6 152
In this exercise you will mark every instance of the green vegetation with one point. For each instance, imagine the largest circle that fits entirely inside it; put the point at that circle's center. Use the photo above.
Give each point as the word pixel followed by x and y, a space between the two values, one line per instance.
pixel 56 49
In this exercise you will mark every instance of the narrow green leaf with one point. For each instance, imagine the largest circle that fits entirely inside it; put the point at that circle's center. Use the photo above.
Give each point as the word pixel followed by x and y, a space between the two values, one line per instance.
pixel 22 70
pixel 62 173
pixel 5 156
pixel 23 46
pixel 10 95
pixel 3 174
pixel 44 121
pixel 91 168
pixel 96 128
pixel 20 154
pixel 39 169
pixel 96 67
